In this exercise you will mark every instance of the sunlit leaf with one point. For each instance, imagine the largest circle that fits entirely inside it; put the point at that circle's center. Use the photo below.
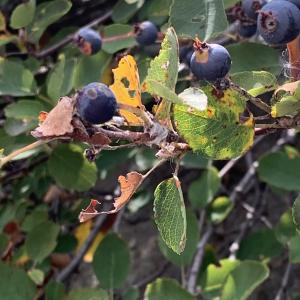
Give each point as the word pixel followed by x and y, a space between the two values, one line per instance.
pixel 216 132
pixel 126 87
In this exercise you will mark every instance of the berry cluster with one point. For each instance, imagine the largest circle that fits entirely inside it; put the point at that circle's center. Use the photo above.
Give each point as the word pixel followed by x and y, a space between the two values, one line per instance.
pixel 278 21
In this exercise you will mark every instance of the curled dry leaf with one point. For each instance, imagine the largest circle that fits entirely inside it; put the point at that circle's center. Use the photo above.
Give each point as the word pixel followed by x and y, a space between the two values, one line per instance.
pixel 128 185
pixel 58 122
pixel 288 87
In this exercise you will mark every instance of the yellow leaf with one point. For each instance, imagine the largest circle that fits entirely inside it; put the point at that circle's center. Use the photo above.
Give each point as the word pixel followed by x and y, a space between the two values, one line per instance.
pixel 126 88
pixel 81 233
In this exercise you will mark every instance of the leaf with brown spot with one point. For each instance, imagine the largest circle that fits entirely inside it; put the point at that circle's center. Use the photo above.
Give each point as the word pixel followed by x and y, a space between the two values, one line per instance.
pixel 128 185
pixel 57 121
pixel 289 87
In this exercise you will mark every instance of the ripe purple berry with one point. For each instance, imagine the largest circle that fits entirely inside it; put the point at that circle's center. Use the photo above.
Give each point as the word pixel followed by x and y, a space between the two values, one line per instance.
pixel 251 7
pixel 247 31
pixel 209 61
pixel 279 22
pixel 89 41
pixel 296 2
pixel 96 103
pixel 146 33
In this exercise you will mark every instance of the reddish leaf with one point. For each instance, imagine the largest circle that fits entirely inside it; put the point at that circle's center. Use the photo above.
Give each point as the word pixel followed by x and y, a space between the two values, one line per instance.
pixel 57 121
pixel 90 212
pixel 128 185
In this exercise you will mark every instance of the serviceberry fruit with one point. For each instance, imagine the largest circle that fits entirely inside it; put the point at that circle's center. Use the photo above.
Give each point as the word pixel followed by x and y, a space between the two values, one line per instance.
pixel 247 31
pixel 296 2
pixel 96 103
pixel 279 22
pixel 251 7
pixel 209 61
pixel 89 41
pixel 146 33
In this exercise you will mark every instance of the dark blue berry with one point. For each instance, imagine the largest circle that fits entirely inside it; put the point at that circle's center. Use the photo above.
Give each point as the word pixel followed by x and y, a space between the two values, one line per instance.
pixel 279 22
pixel 251 7
pixel 210 61
pixel 96 103
pixel 189 56
pixel 247 31
pixel 296 2
pixel 89 41
pixel 146 33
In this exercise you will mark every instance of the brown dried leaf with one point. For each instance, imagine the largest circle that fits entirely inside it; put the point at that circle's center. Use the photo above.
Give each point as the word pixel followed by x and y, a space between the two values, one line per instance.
pixel 128 185
pixel 90 212
pixel 288 87
pixel 57 121
pixel 99 139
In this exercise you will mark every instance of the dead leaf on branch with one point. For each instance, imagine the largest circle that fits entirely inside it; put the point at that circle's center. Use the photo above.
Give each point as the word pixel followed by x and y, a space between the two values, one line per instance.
pixel 128 185
pixel 58 122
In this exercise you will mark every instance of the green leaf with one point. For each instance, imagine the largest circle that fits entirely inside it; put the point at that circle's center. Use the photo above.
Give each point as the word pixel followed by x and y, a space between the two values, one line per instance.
pixel 192 96
pixel 60 81
pixel 15 127
pixel 46 14
pixel 2 22
pixel 229 3
pixel 164 71
pixel 131 294
pixel 166 289
pixel 15 284
pixel 37 276
pixel 219 209
pixel 113 31
pixel 296 212
pixel 285 228
pixel 90 68
pixel 268 245
pixel 169 214
pixel 3 242
pixel 164 68
pixel 286 106
pixel 254 57
pixel 215 276
pixel 243 280
pixel 88 294
pixel 202 190
pixel 202 18
pixel 33 219
pixel 71 169
pixel 42 240
pixel 24 110
pixel 15 80
pixel 192 237
pixel 294 249
pixel 111 261
pixel 123 11
pixel 156 11
pixel 280 170
pixel 55 291
pixel 216 132
pixel 194 160
pixel 255 82
pixel 22 15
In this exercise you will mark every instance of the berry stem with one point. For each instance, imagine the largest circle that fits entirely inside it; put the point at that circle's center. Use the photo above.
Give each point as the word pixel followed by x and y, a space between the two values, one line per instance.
pixel 294 57
pixel 12 155
pixel 118 37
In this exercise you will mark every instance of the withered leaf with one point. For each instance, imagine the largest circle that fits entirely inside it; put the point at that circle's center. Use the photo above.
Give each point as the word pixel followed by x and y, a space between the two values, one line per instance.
pixel 128 185
pixel 58 121
pixel 90 212
pixel 288 87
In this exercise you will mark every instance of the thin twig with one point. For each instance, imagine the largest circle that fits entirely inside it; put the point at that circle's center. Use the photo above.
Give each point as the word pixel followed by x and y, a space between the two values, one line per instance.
pixel 69 38
pixel 284 282
pixel 4 160
pixel 256 101
pixel 63 274
pixel 197 262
